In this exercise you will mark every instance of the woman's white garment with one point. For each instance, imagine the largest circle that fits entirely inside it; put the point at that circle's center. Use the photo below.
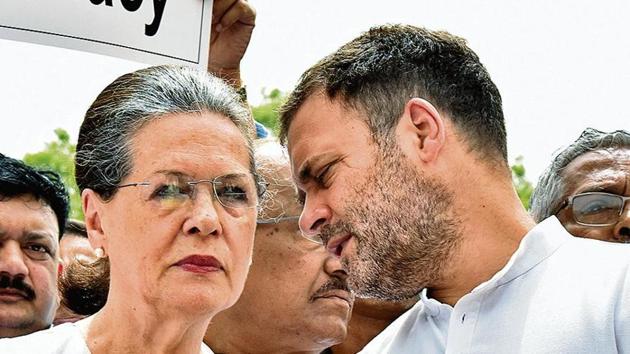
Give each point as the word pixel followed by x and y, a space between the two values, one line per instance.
pixel 67 338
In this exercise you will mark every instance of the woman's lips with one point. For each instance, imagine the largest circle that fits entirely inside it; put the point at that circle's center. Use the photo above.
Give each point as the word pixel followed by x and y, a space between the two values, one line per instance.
pixel 200 264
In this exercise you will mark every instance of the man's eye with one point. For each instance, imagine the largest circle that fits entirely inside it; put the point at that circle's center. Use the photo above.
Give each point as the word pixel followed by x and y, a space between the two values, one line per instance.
pixel 39 248
pixel 38 251
pixel 321 178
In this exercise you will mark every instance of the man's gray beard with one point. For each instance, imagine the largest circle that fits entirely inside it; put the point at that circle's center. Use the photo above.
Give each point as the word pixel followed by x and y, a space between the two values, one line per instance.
pixel 404 227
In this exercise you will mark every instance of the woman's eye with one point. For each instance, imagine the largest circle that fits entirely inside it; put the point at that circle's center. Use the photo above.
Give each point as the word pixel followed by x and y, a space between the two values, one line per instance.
pixel 232 193
pixel 169 191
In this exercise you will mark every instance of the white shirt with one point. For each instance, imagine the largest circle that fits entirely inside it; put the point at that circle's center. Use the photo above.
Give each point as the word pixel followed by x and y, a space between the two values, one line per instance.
pixel 67 338
pixel 557 294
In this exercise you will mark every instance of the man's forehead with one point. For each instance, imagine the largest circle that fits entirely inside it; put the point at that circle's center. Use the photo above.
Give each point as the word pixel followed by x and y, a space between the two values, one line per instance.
pixel 598 166
pixel 28 214
pixel 321 127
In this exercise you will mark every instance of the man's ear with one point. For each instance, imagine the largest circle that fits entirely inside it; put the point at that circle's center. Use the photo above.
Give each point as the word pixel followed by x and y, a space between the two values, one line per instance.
pixel 423 124
pixel 92 206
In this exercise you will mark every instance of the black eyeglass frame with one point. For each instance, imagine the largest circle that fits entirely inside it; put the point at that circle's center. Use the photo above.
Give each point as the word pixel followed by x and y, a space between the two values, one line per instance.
pixel 569 203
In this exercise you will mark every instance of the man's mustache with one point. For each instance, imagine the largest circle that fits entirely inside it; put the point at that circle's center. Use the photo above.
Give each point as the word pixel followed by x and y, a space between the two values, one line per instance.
pixel 329 230
pixel 17 283
pixel 334 283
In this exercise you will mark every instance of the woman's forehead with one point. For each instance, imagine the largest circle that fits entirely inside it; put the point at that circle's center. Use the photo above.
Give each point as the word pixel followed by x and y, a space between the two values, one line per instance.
pixel 190 143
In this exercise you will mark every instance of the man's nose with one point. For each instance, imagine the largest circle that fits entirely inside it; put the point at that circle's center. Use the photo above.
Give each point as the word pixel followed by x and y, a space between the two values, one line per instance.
pixel 12 259
pixel 314 216
pixel 334 267
pixel 204 219
pixel 622 228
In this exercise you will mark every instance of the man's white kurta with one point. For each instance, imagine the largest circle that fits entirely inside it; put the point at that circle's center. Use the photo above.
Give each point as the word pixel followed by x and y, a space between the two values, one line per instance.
pixel 557 294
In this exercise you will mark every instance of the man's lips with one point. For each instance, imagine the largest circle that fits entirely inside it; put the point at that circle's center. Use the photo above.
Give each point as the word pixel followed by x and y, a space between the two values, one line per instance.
pixel 199 264
pixel 336 244
pixel 336 294
pixel 12 295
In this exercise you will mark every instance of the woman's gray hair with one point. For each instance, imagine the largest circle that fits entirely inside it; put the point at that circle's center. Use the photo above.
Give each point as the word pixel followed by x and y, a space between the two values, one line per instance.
pixel 551 187
pixel 103 157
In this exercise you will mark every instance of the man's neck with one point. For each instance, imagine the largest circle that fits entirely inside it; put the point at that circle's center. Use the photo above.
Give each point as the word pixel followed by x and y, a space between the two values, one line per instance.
pixel 493 223
pixel 8 332
pixel 369 318
pixel 230 334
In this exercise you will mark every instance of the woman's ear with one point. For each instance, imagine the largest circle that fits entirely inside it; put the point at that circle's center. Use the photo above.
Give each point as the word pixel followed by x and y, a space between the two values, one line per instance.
pixel 423 126
pixel 92 209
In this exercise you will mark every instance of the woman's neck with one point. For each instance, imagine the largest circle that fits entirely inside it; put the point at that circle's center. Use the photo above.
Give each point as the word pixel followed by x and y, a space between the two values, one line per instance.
pixel 130 328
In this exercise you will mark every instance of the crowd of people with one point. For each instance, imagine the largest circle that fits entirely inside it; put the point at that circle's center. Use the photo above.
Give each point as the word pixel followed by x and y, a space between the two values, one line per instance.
pixel 383 218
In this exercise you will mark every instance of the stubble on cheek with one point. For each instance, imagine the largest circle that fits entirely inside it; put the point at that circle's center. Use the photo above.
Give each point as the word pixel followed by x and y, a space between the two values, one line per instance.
pixel 404 229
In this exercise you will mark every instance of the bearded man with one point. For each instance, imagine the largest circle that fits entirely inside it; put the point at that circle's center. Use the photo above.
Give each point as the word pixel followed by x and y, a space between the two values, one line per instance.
pixel 398 147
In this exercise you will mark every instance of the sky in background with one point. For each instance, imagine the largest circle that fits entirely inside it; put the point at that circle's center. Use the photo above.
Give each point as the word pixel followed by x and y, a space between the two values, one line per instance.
pixel 560 65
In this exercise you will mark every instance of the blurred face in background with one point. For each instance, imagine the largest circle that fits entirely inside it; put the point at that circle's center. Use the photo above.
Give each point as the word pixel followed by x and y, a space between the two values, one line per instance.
pixel 73 246
pixel 296 297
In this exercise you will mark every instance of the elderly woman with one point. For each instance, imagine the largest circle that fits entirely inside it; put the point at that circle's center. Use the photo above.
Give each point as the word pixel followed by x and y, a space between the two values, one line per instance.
pixel 169 190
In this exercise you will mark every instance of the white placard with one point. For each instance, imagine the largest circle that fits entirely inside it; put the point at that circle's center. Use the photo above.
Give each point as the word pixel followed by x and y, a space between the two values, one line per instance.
pixel 149 31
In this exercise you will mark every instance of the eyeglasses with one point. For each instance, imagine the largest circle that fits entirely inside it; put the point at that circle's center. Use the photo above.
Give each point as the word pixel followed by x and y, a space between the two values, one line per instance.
pixel 173 190
pixel 596 208
pixel 280 219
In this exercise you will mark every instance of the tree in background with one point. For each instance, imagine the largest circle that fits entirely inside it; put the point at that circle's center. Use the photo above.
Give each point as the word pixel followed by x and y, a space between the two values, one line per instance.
pixel 524 188
pixel 58 156
pixel 267 112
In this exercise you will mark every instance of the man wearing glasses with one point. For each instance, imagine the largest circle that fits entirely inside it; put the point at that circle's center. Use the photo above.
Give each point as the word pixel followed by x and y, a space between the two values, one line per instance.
pixel 296 298
pixel 587 186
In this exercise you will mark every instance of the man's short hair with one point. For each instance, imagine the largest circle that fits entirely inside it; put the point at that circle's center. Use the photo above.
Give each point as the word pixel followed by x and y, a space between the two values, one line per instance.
pixel 378 72
pixel 17 179
pixel 75 228
pixel 551 187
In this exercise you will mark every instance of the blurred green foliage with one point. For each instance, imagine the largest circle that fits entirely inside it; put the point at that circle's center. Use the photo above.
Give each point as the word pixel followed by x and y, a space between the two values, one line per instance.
pixel 58 156
pixel 524 187
pixel 267 112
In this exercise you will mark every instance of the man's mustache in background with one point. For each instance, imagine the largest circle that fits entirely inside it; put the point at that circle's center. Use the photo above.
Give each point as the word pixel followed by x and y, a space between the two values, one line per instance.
pixel 17 283
pixel 334 283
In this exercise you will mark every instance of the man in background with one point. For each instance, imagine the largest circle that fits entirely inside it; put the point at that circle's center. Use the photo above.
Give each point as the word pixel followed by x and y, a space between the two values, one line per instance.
pixel 76 289
pixel 33 212
pixel 74 243
pixel 296 298
pixel 587 186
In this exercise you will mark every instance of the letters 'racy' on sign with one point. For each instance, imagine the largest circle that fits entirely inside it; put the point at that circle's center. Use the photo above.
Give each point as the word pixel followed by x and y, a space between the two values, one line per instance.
pixel 134 5
pixel 149 31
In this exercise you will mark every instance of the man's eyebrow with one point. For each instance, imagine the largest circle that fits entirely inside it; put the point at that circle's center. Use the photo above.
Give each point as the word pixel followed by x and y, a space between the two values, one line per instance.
pixel 35 235
pixel 305 172
pixel 610 186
